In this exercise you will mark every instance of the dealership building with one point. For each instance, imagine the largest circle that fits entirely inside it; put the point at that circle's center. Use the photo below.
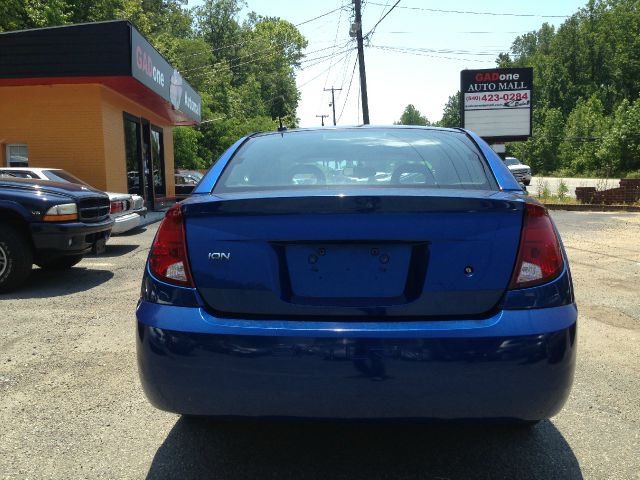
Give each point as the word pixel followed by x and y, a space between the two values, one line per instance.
pixel 96 100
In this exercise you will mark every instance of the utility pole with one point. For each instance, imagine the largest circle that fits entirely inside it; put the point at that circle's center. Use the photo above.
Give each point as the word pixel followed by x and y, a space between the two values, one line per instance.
pixel 333 101
pixel 322 117
pixel 363 74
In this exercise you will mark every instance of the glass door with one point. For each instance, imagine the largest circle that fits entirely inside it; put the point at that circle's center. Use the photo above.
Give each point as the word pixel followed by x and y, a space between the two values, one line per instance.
pixel 144 150
pixel 133 154
pixel 157 160
pixel 148 165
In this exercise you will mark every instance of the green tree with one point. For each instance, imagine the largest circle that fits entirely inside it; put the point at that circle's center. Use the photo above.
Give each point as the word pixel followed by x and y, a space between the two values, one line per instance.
pixel 451 113
pixel 585 129
pixel 619 151
pixel 412 116
pixel 588 70
pixel 22 14
pixel 185 148
pixel 217 22
pixel 541 151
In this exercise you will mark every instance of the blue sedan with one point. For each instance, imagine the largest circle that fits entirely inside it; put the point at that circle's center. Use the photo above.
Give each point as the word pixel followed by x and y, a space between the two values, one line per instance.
pixel 355 273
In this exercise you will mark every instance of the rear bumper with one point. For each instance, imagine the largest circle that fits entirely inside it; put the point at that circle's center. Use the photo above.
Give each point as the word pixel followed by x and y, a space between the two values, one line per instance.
pixel 478 372
pixel 125 223
pixel 142 211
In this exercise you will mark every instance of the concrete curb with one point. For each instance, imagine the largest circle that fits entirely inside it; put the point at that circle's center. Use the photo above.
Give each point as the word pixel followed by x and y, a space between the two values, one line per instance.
pixel 592 208
pixel 152 217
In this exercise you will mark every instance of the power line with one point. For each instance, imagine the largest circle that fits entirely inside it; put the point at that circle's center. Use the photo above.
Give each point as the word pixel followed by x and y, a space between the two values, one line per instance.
pixel 495 32
pixel 468 12
pixel 239 44
pixel 345 69
pixel 419 54
pixel 381 19
pixel 269 52
pixel 319 16
pixel 335 43
pixel 323 71
pixel 384 9
pixel 324 58
pixel 446 51
pixel 348 89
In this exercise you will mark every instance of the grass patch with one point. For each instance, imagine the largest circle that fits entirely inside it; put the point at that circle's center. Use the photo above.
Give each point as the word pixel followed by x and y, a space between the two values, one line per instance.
pixel 557 200
pixel 564 200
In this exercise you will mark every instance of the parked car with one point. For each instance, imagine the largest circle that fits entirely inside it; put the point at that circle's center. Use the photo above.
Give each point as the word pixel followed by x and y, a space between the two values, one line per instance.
pixel 51 224
pixel 520 171
pixel 126 209
pixel 441 292
pixel 191 173
pixel 185 182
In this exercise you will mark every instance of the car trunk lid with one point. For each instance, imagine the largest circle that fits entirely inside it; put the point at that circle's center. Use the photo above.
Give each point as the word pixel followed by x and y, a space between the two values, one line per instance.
pixel 391 253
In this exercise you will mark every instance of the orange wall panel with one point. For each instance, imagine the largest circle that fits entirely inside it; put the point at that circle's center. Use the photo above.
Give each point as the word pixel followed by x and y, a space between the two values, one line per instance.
pixel 60 124
pixel 79 128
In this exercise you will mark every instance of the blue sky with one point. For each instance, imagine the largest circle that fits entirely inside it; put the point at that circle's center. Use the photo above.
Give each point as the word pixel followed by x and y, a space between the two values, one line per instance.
pixel 455 41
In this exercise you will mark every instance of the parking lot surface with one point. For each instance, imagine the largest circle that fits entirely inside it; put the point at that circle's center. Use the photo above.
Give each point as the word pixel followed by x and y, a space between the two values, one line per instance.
pixel 71 405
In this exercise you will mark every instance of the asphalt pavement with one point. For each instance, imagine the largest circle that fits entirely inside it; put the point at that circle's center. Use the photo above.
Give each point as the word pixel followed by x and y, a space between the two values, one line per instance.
pixel 71 405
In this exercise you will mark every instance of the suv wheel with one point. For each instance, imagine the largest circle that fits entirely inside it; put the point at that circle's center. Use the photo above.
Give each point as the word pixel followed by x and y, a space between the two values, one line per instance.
pixel 60 263
pixel 16 258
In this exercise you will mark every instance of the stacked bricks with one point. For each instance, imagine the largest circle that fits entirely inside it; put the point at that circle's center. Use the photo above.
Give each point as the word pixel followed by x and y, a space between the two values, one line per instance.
pixel 628 192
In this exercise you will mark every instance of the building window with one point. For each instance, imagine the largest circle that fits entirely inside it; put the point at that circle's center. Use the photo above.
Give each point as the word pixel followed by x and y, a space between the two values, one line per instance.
pixel 17 156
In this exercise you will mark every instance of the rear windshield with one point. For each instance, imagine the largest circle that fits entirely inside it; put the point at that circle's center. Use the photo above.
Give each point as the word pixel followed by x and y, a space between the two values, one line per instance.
pixel 62 176
pixel 358 158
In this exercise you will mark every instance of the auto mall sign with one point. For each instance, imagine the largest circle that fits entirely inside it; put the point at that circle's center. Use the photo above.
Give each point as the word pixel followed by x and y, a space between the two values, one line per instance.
pixel 496 103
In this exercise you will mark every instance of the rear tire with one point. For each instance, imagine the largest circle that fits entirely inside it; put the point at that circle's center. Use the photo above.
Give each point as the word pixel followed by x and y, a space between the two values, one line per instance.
pixel 60 263
pixel 16 258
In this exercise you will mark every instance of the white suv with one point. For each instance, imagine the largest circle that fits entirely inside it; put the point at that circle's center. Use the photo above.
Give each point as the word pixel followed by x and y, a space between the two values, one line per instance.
pixel 519 170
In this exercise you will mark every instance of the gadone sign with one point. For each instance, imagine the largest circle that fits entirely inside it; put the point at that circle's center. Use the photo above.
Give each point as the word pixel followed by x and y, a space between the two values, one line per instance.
pixel 150 68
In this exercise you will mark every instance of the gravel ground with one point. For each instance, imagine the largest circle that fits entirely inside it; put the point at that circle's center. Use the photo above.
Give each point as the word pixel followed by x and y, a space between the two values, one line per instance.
pixel 71 405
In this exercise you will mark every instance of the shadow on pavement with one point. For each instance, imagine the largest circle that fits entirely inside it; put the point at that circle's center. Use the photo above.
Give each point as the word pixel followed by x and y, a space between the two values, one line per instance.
pixel 299 450
pixel 50 283
pixel 115 251
pixel 131 233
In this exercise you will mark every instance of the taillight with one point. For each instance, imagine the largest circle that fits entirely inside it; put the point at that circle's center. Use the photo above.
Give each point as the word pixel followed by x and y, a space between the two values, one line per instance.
pixel 168 258
pixel 539 257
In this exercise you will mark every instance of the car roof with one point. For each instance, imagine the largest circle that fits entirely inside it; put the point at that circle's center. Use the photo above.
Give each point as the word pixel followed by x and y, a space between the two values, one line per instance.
pixel 48 184
pixel 29 169
pixel 355 127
